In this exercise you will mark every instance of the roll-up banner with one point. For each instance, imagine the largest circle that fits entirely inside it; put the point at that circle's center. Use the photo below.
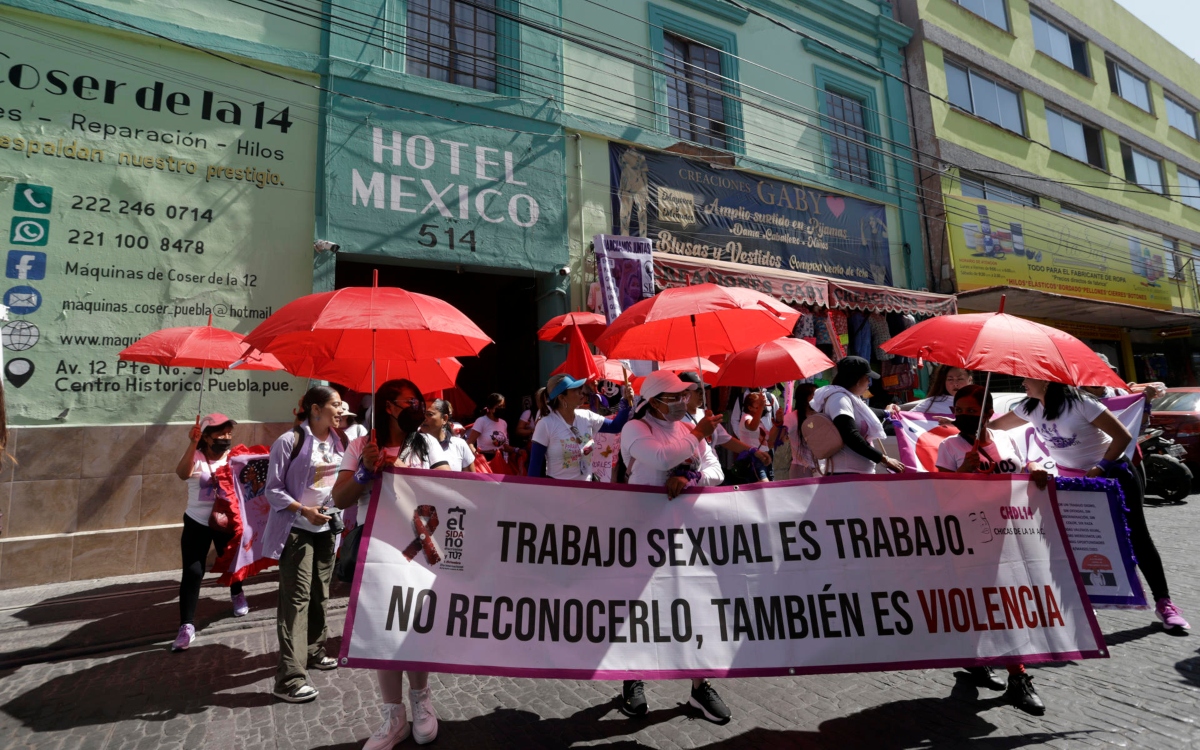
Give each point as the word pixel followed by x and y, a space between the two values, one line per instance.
pixel 482 574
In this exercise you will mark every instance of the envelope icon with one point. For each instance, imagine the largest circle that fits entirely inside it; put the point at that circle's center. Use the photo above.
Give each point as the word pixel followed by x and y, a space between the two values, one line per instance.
pixel 23 299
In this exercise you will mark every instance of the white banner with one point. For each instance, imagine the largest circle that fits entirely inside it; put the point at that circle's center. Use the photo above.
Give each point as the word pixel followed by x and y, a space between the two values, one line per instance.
pixel 483 574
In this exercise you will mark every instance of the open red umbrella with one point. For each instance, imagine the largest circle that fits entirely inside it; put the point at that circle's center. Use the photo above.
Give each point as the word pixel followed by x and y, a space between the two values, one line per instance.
pixel 690 364
pixel 204 347
pixel 696 321
pixel 773 362
pixel 428 374
pixel 591 325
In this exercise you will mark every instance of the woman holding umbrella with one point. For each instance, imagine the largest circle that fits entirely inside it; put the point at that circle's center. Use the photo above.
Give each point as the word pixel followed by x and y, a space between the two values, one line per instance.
pixel 661 449
pixel 855 421
pixel 1081 433
pixel 399 413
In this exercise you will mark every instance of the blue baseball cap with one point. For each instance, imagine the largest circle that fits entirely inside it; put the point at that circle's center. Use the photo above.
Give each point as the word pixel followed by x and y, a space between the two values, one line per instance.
pixel 559 384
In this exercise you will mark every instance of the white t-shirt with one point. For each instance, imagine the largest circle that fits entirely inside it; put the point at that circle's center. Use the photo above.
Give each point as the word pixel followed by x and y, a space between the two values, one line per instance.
pixel 489 429
pixel 846 461
pixel 350 462
pixel 1003 455
pixel 355 431
pixel 652 448
pixel 720 435
pixel 756 439
pixel 943 405
pixel 202 488
pixel 769 411
pixel 325 465
pixel 457 453
pixel 568 451
pixel 1072 440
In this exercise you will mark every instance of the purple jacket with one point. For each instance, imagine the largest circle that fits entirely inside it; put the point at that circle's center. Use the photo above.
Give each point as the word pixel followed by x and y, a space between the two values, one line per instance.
pixel 286 481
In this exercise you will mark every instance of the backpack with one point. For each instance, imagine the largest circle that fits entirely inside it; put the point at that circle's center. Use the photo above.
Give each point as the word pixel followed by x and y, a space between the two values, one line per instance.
pixel 821 436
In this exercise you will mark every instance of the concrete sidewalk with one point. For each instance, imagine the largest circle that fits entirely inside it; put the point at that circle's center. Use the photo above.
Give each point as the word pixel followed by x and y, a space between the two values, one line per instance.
pixel 86 665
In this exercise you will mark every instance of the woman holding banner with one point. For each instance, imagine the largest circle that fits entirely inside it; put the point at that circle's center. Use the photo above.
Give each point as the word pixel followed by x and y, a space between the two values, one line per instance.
pixel 399 413
pixel 562 441
pixel 661 449
pixel 1081 433
pixel 990 452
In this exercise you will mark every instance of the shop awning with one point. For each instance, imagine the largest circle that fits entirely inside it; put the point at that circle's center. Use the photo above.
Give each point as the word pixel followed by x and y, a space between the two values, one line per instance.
pixel 798 288
pixel 1035 303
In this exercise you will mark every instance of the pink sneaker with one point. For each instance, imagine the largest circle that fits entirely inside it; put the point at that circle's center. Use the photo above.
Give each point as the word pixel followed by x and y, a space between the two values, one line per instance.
pixel 1169 614
pixel 187 634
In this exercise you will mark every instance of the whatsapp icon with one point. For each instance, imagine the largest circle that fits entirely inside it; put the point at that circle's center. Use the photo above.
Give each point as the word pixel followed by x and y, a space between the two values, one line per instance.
pixel 30 232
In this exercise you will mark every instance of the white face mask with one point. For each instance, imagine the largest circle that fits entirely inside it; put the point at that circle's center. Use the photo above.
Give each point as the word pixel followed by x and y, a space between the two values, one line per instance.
pixel 676 411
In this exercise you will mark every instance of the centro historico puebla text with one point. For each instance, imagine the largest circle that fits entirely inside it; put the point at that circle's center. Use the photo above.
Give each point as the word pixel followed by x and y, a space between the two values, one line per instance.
pixel 134 377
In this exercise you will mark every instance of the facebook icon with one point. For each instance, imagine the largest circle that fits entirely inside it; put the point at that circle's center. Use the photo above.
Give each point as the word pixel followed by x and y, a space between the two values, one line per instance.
pixel 25 264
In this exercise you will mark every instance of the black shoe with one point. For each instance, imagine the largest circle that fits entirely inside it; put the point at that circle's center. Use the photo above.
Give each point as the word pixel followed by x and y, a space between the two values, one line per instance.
pixel 1021 694
pixel 633 698
pixel 710 704
pixel 986 677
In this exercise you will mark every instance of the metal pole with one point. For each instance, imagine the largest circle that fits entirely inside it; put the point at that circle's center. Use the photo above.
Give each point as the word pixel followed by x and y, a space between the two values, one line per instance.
pixel 699 366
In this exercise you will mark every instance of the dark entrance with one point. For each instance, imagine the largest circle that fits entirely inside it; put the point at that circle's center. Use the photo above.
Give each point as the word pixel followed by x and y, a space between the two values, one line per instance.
pixel 505 307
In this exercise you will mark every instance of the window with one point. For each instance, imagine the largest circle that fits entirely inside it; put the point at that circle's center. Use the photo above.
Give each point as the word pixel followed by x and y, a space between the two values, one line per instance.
pixel 850 158
pixel 1075 139
pixel 453 41
pixel 976 187
pixel 1181 117
pixel 696 108
pixel 1057 43
pixel 1076 211
pixel 985 98
pixel 1189 189
pixel 992 10
pixel 1128 85
pixel 1142 168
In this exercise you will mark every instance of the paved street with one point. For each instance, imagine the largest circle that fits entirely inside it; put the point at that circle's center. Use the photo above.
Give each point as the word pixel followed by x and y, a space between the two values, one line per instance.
pixel 86 666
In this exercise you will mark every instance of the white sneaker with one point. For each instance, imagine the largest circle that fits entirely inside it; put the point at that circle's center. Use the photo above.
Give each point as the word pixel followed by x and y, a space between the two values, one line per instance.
pixel 392 731
pixel 425 723
pixel 187 634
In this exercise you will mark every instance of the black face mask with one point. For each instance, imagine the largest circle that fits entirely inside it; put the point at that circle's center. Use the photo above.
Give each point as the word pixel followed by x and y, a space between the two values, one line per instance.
pixel 411 419
pixel 220 446
pixel 968 426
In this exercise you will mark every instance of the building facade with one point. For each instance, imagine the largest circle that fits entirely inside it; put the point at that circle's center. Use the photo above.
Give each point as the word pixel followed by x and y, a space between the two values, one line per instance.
pixel 1060 169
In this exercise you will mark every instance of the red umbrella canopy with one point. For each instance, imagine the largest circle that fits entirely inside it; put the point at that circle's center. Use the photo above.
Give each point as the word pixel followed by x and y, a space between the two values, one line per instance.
pixel 366 322
pixel 428 374
pixel 998 342
pixel 196 346
pixel 696 321
pixel 580 362
pixel 773 362
pixel 689 364
pixel 591 325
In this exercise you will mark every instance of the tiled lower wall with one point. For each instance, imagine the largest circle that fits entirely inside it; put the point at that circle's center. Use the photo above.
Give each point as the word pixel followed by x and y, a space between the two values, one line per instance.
pixel 93 502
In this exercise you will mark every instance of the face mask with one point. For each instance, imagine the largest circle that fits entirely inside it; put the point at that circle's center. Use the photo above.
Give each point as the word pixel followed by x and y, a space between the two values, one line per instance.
pixel 968 426
pixel 220 446
pixel 411 418
pixel 676 411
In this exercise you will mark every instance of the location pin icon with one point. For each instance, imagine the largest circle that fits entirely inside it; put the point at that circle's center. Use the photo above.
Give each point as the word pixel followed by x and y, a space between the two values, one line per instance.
pixel 19 371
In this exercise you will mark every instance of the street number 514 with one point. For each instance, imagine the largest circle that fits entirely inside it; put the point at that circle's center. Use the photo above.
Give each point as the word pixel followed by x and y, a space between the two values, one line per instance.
pixel 428 232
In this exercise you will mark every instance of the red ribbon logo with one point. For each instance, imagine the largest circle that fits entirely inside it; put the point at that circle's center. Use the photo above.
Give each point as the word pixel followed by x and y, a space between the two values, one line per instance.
pixel 425 522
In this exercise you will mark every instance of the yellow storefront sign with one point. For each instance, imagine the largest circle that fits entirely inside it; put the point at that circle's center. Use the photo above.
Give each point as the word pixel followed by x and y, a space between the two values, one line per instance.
pixel 1000 244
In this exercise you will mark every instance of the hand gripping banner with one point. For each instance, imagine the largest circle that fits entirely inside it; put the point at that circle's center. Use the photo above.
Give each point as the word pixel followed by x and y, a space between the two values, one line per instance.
pixel 538 578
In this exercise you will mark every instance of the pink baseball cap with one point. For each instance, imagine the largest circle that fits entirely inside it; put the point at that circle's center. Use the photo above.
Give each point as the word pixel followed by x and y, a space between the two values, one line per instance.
pixel 216 419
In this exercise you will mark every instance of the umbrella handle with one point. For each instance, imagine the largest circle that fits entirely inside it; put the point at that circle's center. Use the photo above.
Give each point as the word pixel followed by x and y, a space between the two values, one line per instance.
pixel 987 386
pixel 200 403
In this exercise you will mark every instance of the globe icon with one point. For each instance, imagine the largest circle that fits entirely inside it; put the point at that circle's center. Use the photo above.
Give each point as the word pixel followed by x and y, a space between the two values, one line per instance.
pixel 20 335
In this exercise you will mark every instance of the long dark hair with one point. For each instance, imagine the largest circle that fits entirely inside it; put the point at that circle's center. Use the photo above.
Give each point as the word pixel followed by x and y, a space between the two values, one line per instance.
pixel 447 411
pixel 1059 400
pixel 387 393
pixel 802 396
pixel 318 395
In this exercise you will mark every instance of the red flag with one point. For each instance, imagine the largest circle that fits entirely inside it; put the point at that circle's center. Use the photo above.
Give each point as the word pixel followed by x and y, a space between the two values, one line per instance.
pixel 579 363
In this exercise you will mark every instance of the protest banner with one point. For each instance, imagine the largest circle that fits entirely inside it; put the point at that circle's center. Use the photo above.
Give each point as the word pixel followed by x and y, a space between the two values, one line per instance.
pixel 242 480
pixel 511 576
pixel 1093 513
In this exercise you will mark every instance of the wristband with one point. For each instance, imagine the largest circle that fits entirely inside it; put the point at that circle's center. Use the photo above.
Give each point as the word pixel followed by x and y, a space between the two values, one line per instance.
pixel 363 475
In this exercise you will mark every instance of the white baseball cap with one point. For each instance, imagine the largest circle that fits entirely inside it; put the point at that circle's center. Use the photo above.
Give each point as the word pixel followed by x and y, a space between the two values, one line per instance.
pixel 663 381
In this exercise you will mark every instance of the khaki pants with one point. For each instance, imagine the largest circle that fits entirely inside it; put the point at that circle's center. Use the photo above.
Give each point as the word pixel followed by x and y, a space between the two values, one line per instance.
pixel 305 569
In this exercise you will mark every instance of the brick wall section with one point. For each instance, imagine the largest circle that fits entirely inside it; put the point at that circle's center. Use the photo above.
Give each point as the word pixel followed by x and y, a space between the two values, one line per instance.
pixel 92 502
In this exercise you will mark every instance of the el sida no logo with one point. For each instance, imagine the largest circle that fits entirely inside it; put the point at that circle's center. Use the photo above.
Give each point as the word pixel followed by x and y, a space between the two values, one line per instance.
pixel 452 544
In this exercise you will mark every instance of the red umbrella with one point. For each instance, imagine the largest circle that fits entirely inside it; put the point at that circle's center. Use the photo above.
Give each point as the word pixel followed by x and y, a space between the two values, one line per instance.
pixel 610 369
pixel 580 362
pixel 773 362
pixel 998 342
pixel 428 374
pixel 690 364
pixel 696 321
pixel 204 347
pixel 591 325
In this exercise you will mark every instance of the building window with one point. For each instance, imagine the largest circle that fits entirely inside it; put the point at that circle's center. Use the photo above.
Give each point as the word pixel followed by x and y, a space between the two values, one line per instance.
pixel 1128 85
pixel 981 96
pixel 453 41
pixel 1181 117
pixel 1057 43
pixel 1189 189
pixel 1141 168
pixel 1076 211
pixel 850 157
pixel 977 187
pixel 992 10
pixel 1075 139
pixel 695 104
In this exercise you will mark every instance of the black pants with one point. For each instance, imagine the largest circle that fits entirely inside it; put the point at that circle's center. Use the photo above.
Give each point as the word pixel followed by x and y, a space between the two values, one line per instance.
pixel 194 543
pixel 1143 545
